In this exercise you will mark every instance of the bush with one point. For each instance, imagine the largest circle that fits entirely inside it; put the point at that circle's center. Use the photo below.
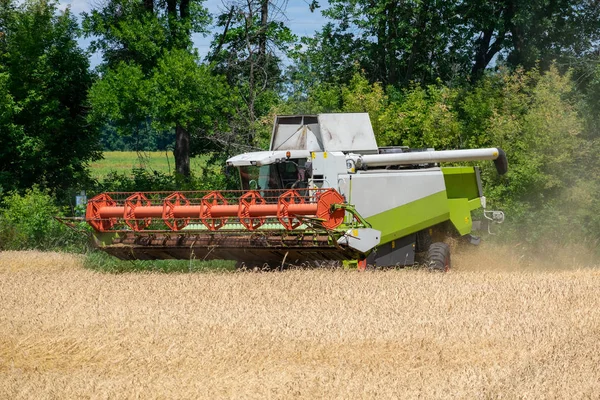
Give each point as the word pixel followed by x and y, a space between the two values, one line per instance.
pixel 144 180
pixel 545 193
pixel 27 222
pixel 102 262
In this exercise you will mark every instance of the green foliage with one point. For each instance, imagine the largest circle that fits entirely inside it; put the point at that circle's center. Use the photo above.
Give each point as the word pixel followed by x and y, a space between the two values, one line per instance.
pixel 328 57
pixel 325 98
pixel 359 96
pixel 590 89
pixel 44 80
pixel 423 118
pixel 189 95
pixel 102 262
pixel 140 179
pixel 134 36
pixel 395 43
pixel 138 32
pixel 537 122
pixel 122 97
pixel 178 93
pixel 11 134
pixel 27 222
pixel 399 43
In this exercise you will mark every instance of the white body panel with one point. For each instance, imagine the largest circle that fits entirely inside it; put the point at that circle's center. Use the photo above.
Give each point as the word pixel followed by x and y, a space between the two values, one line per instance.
pixel 326 168
pixel 265 157
pixel 424 157
pixel 347 132
pixel 378 191
pixel 361 239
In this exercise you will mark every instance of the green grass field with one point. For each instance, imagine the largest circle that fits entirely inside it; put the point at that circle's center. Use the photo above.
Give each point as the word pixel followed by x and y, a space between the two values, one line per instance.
pixel 125 161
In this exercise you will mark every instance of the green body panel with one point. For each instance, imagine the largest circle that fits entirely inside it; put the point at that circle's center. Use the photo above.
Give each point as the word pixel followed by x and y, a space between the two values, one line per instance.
pixel 461 182
pixel 102 239
pixel 454 204
pixel 233 226
pixel 460 213
pixel 412 217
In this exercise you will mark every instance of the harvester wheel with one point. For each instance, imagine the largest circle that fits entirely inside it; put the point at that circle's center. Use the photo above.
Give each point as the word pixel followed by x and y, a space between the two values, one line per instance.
pixel 423 241
pixel 438 257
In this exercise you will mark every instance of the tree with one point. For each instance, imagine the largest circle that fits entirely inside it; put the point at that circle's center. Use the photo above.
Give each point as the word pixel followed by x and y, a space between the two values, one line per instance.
pixel 528 33
pixel 536 120
pixel 138 38
pixel 44 80
pixel 11 133
pixel 330 56
pixel 191 100
pixel 397 43
pixel 138 31
pixel 247 53
pixel 178 94
pixel 394 42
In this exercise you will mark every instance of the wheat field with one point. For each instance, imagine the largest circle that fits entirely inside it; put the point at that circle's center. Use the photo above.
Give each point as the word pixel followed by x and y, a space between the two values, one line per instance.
pixel 494 327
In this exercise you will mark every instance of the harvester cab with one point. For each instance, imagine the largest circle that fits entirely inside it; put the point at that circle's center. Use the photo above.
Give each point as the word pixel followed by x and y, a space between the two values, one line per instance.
pixel 324 191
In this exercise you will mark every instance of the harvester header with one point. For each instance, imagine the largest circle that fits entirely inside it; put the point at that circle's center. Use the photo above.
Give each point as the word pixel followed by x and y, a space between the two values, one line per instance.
pixel 324 191
pixel 176 211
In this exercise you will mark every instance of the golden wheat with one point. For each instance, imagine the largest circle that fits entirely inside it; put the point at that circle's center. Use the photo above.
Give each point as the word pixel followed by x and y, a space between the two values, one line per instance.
pixel 476 332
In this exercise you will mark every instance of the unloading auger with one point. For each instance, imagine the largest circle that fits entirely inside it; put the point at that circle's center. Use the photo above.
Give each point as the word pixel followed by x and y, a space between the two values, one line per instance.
pixel 325 191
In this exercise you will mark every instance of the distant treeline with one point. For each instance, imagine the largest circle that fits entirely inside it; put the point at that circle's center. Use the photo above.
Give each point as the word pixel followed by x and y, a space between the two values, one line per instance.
pixel 143 140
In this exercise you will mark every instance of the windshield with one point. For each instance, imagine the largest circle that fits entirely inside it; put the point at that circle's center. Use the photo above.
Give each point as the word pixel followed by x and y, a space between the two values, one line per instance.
pixel 285 175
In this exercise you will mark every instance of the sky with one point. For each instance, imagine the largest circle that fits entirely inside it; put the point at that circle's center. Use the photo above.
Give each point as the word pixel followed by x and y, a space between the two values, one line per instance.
pixel 297 17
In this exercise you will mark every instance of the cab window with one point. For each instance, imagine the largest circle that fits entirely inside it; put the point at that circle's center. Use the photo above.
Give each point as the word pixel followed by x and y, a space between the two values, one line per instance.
pixel 283 175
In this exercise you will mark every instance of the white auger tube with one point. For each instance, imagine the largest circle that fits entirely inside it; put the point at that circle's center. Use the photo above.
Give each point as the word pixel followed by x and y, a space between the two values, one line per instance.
pixel 426 157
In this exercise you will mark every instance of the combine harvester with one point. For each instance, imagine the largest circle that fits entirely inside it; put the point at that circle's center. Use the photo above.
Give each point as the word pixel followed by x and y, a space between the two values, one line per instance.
pixel 324 191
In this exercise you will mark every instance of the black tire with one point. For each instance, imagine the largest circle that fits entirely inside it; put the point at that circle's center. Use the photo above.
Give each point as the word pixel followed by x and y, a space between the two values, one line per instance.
pixel 438 257
pixel 423 241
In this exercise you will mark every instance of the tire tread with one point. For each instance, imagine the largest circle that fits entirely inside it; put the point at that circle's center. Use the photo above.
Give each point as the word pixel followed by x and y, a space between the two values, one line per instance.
pixel 437 255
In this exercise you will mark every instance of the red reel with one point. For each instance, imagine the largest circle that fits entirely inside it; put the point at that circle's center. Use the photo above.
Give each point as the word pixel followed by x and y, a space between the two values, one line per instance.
pixel 288 221
pixel 168 215
pixel 330 218
pixel 248 200
pixel 131 203
pixel 92 213
pixel 210 200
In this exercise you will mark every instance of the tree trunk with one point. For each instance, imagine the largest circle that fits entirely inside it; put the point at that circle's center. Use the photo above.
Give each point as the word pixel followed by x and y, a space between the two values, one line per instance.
pixel 264 19
pixel 224 35
pixel 182 151
pixel 392 43
pixel 184 9
pixel 382 43
pixel 149 5
pixel 419 45
pixel 485 53
pixel 486 50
